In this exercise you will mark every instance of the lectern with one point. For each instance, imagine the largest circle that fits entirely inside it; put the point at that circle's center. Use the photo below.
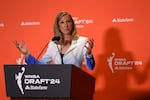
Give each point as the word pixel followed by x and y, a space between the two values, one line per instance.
pixel 48 82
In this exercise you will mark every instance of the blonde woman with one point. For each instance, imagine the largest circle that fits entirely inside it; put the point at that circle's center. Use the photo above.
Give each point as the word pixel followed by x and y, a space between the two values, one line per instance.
pixel 66 48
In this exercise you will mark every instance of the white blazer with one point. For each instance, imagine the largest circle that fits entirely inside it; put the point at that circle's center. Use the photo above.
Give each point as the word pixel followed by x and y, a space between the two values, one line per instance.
pixel 73 55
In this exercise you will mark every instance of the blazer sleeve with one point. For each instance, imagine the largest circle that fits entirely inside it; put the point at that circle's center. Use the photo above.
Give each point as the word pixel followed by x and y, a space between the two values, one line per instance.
pixel 31 60
pixel 90 62
pixel 45 59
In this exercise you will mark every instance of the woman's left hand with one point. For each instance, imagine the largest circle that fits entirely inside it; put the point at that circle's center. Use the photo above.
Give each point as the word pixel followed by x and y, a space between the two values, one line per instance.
pixel 90 46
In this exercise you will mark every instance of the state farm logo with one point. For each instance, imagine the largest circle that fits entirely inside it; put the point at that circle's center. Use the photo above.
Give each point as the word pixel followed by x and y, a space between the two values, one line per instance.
pixel 81 22
pixel 29 23
pixel 116 64
pixel 33 82
pixel 122 20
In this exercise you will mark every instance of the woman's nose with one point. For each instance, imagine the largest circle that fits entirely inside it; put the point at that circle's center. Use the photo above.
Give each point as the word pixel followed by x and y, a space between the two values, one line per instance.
pixel 66 24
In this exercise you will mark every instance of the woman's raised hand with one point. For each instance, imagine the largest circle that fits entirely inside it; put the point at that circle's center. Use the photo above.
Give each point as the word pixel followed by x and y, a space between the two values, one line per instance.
pixel 22 47
pixel 90 46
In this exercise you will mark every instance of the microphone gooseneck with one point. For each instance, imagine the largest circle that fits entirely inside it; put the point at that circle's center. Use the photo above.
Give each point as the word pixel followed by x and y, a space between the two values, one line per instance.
pixel 55 38
pixel 42 51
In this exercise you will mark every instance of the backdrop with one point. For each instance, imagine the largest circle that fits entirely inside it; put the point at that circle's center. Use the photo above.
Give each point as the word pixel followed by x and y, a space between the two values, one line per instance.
pixel 120 30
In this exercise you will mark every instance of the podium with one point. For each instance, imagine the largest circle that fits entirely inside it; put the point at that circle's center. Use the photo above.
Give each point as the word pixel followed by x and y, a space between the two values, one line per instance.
pixel 48 82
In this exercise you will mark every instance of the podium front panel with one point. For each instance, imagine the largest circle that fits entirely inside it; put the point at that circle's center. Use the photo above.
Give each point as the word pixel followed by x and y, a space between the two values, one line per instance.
pixel 38 80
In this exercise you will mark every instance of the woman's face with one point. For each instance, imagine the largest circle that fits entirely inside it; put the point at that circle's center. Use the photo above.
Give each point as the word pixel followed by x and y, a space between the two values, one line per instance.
pixel 65 25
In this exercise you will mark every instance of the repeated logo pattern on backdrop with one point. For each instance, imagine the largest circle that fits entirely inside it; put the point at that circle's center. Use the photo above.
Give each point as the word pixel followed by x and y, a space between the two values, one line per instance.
pixel 121 63
pixel 120 31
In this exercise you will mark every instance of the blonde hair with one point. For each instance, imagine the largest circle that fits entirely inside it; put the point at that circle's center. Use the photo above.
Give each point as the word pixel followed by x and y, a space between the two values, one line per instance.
pixel 56 29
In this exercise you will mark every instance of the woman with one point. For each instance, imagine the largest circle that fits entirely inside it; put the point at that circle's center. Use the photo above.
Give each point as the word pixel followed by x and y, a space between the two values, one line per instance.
pixel 69 49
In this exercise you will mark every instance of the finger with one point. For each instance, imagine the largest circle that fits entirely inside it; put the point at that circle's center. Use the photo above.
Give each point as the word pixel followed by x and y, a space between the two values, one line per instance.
pixel 88 50
pixel 16 43
pixel 91 43
pixel 23 43
pixel 88 47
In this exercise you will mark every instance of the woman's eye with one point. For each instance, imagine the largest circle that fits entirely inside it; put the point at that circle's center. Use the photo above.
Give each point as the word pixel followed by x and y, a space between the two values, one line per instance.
pixel 69 21
pixel 62 22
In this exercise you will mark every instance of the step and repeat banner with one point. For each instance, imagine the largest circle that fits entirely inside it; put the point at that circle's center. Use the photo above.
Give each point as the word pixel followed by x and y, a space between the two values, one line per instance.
pixel 121 40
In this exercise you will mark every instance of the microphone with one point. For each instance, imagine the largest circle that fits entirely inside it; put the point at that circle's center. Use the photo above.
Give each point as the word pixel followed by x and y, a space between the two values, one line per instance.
pixel 55 38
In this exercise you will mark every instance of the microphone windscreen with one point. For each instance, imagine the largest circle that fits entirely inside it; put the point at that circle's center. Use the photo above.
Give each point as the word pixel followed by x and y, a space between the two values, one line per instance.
pixel 56 38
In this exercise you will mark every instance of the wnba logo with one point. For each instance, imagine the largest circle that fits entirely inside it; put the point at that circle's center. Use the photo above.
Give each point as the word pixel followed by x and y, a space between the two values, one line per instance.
pixel 121 63
pixel 110 62
pixel 18 78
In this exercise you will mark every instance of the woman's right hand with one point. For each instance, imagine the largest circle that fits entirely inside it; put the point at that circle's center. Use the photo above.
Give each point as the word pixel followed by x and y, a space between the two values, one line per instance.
pixel 22 48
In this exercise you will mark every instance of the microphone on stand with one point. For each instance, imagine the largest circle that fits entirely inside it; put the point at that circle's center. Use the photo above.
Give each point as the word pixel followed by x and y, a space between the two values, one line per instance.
pixel 55 38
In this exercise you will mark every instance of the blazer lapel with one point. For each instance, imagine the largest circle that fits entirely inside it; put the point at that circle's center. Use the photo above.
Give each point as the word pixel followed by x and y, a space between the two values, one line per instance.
pixel 73 46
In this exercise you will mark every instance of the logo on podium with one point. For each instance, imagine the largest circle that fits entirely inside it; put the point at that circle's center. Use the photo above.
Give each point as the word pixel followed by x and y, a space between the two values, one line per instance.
pixel 18 78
